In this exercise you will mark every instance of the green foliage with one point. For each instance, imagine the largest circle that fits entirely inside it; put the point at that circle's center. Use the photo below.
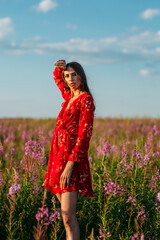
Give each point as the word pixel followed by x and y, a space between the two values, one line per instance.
pixel 125 185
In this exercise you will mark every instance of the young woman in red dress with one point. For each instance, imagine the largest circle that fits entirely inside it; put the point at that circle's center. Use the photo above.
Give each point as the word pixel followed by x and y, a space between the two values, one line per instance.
pixel 68 170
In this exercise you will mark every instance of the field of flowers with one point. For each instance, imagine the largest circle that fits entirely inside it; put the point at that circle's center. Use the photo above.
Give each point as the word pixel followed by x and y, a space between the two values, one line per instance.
pixel 124 157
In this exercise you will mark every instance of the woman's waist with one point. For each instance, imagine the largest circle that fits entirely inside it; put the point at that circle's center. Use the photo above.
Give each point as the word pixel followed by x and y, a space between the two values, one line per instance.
pixel 67 129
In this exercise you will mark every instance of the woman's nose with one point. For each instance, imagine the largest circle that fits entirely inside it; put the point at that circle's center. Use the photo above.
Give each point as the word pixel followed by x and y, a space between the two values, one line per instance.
pixel 70 78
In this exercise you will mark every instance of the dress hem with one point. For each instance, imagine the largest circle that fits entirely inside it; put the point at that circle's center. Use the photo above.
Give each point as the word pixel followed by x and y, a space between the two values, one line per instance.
pixel 68 189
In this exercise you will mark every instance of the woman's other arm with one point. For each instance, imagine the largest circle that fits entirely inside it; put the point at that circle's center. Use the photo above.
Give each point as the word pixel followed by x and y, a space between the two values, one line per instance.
pixel 85 130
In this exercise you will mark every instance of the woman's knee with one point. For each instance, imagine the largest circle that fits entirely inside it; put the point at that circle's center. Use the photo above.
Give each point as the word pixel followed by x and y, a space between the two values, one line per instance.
pixel 68 218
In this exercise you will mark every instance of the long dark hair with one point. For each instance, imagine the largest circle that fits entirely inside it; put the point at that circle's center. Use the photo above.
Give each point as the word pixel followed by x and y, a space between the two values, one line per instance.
pixel 80 71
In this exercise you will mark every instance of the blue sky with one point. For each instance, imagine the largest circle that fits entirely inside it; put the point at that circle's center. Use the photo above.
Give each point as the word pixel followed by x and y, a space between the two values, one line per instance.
pixel 117 43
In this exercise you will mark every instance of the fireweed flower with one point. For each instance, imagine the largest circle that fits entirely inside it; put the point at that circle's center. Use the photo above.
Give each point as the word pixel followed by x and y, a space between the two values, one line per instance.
pixel 33 149
pixel 90 159
pixel 153 183
pixel 131 199
pixel 158 197
pixel 39 215
pixel 145 161
pixel 33 177
pixel 155 130
pixel 111 188
pixel 135 236
pixel 25 136
pixel 33 156
pixel 17 177
pixel 133 152
pixel 114 149
pixel 50 133
pixel 43 160
pixel 142 214
pixel 138 155
pixel 53 215
pixel 100 151
pixel 156 155
pixel 147 148
pixel 43 214
pixel 11 135
pixel 12 150
pixel 17 166
pixel 1 149
pixel 42 138
pixel 36 188
pixel 102 234
pixel 53 200
pixel 14 189
pixel 7 140
pixel 104 149
pixel 126 167
pixel 124 154
pixel 128 142
pixel 6 155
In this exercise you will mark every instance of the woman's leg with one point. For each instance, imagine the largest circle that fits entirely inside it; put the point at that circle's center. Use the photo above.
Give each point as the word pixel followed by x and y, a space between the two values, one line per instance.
pixel 68 210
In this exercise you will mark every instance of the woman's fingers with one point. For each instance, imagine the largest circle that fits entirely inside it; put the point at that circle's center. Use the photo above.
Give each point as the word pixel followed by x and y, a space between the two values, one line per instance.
pixel 64 182
pixel 61 183
pixel 60 63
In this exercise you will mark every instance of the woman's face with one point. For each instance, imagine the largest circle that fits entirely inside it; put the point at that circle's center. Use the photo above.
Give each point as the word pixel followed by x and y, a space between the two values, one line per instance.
pixel 72 79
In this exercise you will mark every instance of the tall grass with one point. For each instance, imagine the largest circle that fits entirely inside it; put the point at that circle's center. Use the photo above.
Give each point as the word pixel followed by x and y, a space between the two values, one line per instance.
pixel 124 158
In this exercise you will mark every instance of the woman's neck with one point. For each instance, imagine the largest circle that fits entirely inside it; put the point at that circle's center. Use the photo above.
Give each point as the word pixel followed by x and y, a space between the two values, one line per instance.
pixel 76 92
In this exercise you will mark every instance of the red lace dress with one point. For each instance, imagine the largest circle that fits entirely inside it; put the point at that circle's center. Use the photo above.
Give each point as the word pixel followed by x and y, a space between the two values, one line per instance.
pixel 70 142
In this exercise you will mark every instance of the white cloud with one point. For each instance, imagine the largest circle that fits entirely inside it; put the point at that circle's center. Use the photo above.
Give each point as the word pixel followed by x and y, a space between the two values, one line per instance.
pixel 135 29
pixel 125 50
pixel 142 47
pixel 46 5
pixel 108 41
pixel 85 50
pixel 146 72
pixel 70 26
pixel 157 50
pixel 141 41
pixel 150 13
pixel 5 27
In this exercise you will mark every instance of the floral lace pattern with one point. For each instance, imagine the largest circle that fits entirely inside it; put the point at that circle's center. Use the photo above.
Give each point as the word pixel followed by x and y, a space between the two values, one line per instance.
pixel 70 142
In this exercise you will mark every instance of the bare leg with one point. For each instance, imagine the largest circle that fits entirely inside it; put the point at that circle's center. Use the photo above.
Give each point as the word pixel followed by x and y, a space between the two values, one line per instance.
pixel 59 196
pixel 68 209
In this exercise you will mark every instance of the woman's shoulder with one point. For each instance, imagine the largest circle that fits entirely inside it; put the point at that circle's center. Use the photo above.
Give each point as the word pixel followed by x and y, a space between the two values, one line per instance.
pixel 86 99
pixel 87 96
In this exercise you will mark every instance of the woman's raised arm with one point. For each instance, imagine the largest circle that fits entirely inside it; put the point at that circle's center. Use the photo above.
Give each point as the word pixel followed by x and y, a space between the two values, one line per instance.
pixel 60 66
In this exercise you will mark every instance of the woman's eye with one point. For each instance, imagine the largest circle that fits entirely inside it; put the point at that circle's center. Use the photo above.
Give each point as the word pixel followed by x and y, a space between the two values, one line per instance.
pixel 67 76
pixel 74 74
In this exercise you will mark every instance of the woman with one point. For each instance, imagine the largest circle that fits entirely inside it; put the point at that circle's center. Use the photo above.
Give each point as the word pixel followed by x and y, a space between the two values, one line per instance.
pixel 68 170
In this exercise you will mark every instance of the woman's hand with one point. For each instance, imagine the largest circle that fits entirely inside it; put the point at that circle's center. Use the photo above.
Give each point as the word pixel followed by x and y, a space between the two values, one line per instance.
pixel 66 175
pixel 60 64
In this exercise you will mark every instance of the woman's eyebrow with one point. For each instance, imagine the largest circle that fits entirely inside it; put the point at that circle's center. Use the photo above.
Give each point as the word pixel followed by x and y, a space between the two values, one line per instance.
pixel 69 73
